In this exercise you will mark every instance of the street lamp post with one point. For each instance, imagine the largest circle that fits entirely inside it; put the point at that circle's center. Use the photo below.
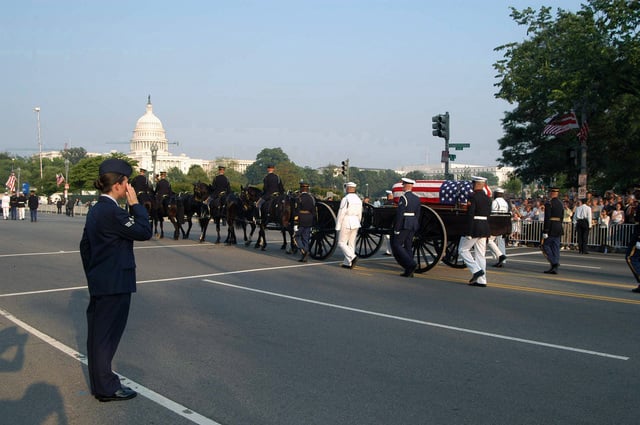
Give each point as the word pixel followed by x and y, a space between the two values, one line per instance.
pixel 66 178
pixel 154 157
pixel 37 111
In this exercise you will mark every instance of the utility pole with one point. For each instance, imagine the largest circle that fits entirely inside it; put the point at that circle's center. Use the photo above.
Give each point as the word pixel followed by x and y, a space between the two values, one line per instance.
pixel 440 125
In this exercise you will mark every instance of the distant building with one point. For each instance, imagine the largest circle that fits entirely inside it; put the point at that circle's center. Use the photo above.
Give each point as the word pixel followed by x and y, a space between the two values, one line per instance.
pixel 458 170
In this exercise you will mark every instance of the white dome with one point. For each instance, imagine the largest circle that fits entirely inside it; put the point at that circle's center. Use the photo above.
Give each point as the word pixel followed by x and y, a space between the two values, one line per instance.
pixel 149 132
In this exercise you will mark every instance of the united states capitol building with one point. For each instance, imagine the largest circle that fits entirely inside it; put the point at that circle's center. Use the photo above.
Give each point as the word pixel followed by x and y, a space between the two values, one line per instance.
pixel 150 147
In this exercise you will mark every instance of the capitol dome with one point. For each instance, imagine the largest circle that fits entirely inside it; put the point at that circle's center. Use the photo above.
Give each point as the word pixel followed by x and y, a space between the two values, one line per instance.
pixel 147 133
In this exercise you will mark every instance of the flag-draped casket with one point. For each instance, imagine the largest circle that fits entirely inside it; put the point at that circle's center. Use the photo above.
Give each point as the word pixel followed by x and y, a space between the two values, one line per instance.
pixel 440 192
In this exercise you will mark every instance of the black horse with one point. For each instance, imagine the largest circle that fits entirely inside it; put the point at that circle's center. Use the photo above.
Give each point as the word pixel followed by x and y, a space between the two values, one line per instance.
pixel 275 213
pixel 165 207
pixel 240 213
pixel 187 207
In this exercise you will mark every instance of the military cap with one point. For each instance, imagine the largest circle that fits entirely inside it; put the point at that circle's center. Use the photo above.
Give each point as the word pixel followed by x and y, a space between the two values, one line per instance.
pixel 304 184
pixel 478 179
pixel 554 189
pixel 351 184
pixel 406 180
pixel 388 192
pixel 270 166
pixel 163 173
pixel 221 167
pixel 115 165
pixel 143 170
pixel 498 190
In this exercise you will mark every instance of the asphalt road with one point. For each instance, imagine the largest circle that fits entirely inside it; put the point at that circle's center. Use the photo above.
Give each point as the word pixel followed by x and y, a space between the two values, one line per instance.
pixel 233 335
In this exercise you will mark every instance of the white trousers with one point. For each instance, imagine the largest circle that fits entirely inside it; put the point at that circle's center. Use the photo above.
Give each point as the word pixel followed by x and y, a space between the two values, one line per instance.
pixel 497 246
pixel 347 243
pixel 476 261
pixel 21 213
pixel 5 212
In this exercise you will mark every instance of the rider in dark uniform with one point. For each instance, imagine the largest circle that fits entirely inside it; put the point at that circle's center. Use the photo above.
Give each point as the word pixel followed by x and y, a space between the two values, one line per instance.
pixel 163 190
pixel 552 230
pixel 271 185
pixel 306 214
pixel 220 187
pixel 140 183
pixel 406 225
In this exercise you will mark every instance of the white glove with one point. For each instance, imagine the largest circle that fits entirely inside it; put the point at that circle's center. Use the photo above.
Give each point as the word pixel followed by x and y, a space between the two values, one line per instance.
pixel 545 235
pixel 397 233
pixel 295 228
pixel 637 245
pixel 468 238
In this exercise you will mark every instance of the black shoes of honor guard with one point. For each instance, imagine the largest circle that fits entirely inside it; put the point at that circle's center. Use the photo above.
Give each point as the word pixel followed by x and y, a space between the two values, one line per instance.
pixel 636 290
pixel 474 279
pixel 408 272
pixel 124 393
pixel 553 269
pixel 501 261
pixel 305 256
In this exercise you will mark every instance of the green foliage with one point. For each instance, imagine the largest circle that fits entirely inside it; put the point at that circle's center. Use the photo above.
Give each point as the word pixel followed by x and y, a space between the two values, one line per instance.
pixel 585 61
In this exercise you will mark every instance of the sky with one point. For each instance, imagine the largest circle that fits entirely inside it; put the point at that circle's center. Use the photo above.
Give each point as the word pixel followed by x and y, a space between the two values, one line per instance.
pixel 325 80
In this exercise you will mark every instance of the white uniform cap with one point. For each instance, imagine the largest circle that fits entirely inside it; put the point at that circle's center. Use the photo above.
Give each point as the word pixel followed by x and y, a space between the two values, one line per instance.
pixel 408 181
pixel 351 184
pixel 498 190
pixel 388 192
pixel 478 179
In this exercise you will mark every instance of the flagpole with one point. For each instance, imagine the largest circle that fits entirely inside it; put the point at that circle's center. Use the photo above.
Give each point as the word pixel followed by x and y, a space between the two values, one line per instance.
pixel 582 178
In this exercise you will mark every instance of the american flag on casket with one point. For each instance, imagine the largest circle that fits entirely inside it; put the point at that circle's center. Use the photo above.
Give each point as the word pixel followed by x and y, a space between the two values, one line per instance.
pixel 442 192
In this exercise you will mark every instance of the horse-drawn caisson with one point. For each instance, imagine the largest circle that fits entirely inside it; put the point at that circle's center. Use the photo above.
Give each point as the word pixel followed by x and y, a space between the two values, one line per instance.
pixel 443 220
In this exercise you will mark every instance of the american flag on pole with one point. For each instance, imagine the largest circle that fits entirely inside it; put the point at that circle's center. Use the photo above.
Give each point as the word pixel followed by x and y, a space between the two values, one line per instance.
pixel 59 179
pixel 584 132
pixel 560 123
pixel 11 182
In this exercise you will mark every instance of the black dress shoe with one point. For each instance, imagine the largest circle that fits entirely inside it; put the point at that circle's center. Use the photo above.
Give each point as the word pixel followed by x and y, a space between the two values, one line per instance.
pixel 344 266
pixel 479 285
pixel 353 262
pixel 124 393
pixel 501 261
pixel 476 276
pixel 636 290
pixel 304 257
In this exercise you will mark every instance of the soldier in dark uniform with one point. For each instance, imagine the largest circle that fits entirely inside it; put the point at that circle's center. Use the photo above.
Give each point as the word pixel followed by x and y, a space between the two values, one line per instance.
pixel 552 230
pixel 306 215
pixel 106 249
pixel 163 191
pixel 13 204
pixel 632 255
pixel 406 224
pixel 478 231
pixel 272 185
pixel 220 187
pixel 140 183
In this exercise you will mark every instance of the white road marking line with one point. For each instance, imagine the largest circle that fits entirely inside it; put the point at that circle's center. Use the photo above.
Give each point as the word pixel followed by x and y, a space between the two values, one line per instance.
pixel 421 322
pixel 159 399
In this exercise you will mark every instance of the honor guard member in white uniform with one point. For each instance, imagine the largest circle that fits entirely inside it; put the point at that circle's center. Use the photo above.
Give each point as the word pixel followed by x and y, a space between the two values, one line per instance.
pixel 477 233
pixel 348 223
pixel 406 224
pixel 387 238
pixel 496 244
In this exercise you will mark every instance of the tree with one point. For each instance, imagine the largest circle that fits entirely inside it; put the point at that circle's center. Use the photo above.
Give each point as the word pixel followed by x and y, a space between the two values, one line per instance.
pixel 585 61
pixel 256 171
pixel 74 155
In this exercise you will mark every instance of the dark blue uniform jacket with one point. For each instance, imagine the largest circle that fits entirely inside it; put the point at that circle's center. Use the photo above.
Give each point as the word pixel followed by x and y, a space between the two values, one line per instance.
pixel 106 247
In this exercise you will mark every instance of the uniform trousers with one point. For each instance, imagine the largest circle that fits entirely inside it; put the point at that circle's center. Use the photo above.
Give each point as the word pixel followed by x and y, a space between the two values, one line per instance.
pixel 551 249
pixel 633 259
pixel 302 237
pixel 347 243
pixel 476 261
pixel 402 248
pixel 21 213
pixel 34 215
pixel 106 319
pixel 497 246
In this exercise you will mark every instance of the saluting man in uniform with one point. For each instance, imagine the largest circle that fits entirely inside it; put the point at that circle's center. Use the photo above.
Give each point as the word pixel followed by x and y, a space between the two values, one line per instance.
pixel 552 230
pixel 306 213
pixel 106 249
pixel 477 233
pixel 406 224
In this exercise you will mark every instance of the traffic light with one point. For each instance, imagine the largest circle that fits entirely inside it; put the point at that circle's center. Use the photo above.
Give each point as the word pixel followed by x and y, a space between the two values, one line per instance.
pixel 452 157
pixel 441 125
pixel 345 167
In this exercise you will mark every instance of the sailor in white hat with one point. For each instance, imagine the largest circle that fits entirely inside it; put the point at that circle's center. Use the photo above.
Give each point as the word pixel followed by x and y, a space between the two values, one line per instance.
pixel 348 223
pixel 496 244
pixel 476 234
